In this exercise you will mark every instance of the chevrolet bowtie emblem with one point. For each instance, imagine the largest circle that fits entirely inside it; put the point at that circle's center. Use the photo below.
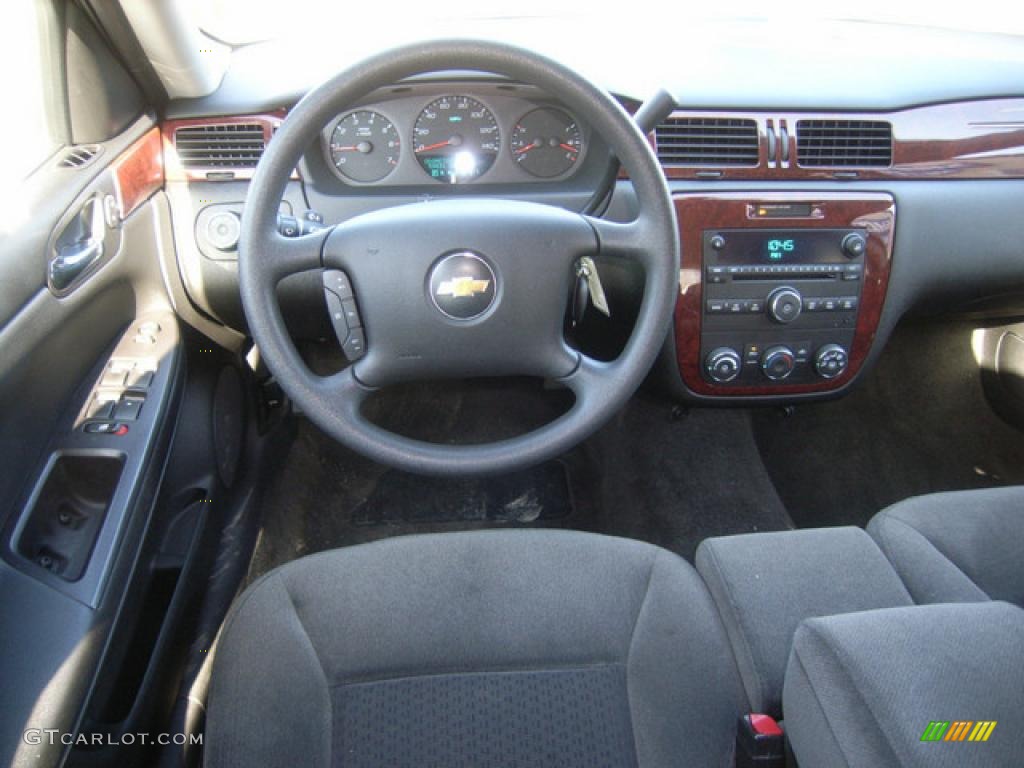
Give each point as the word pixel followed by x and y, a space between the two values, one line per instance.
pixel 461 287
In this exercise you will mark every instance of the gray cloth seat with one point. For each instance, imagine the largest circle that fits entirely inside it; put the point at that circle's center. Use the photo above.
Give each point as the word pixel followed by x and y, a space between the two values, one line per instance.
pixel 964 546
pixel 498 648
pixel 864 689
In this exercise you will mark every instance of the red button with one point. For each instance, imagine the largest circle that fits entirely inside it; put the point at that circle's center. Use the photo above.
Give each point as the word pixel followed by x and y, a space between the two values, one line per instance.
pixel 765 725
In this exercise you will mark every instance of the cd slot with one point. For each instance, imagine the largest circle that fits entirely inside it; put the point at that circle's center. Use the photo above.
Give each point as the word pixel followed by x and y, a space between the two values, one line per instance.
pixel 792 276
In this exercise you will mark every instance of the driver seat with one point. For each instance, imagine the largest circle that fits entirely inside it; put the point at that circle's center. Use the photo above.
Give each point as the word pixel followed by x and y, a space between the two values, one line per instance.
pixel 494 648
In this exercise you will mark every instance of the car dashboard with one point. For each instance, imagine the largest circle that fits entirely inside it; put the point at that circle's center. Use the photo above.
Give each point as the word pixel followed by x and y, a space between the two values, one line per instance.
pixel 806 235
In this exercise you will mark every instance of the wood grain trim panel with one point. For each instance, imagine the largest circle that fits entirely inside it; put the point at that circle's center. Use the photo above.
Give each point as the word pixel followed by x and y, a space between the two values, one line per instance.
pixel 139 172
pixel 965 140
pixel 696 212
pixel 175 171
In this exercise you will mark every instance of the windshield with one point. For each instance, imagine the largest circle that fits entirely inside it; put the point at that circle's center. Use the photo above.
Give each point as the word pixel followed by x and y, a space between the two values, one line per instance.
pixel 240 22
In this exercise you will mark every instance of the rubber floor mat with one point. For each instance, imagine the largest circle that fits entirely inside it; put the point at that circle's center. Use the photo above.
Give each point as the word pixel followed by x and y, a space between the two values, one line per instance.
pixel 541 493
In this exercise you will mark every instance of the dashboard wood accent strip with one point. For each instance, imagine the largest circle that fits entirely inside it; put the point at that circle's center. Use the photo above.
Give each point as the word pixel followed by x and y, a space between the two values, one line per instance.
pixel 964 140
pixel 139 172
pixel 174 169
pixel 697 212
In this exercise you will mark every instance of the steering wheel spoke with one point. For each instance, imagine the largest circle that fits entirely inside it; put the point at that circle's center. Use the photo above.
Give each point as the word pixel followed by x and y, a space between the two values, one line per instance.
pixel 282 256
pixel 630 239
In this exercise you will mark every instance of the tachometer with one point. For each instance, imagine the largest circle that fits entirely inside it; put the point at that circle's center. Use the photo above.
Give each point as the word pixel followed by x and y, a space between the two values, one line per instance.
pixel 546 142
pixel 365 146
pixel 456 139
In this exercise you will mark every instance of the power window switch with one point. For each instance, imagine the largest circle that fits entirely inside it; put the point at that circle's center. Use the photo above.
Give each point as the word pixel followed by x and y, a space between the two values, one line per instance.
pixel 128 408
pixel 100 409
pixel 140 379
pixel 113 379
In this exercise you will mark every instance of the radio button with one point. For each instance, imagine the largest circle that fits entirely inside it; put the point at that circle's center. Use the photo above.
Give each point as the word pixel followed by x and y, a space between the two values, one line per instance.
pixel 812 305
pixel 829 305
pixel 716 307
pixel 848 302
pixel 854 245
pixel 785 304
pixel 734 307
pixel 755 306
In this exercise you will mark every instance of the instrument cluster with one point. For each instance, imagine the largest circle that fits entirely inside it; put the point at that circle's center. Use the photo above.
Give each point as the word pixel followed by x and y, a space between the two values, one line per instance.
pixel 478 133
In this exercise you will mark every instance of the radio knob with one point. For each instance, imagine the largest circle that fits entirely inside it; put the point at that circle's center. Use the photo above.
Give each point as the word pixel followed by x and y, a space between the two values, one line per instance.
pixel 717 242
pixel 854 245
pixel 777 363
pixel 785 304
pixel 723 364
pixel 830 361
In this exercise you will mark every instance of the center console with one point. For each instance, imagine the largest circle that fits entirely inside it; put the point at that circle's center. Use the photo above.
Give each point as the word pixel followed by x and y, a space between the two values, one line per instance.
pixel 779 293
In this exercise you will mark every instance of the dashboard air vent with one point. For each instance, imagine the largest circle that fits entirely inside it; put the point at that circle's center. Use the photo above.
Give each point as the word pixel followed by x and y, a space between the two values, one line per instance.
pixel 714 141
pixel 79 156
pixel 843 143
pixel 231 145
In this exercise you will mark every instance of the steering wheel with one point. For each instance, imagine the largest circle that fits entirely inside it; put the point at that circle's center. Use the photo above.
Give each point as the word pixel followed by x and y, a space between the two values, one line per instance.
pixel 460 287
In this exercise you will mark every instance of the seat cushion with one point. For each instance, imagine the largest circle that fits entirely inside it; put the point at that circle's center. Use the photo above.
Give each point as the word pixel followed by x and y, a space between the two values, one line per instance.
pixel 511 648
pixel 863 689
pixel 963 546
pixel 765 584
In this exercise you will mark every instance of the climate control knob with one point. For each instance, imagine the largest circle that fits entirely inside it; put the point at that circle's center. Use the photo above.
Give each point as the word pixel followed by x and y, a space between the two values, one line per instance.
pixel 830 361
pixel 723 364
pixel 785 304
pixel 777 363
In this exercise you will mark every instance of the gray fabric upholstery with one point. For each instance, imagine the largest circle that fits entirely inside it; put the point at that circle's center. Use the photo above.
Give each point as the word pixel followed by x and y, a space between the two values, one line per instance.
pixel 862 688
pixel 765 584
pixel 318 637
pixel 964 546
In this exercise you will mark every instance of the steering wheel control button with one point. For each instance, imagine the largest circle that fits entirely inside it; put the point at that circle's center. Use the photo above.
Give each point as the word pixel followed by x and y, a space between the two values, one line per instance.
pixel 337 282
pixel 348 306
pixel 462 286
pixel 777 363
pixel 355 345
pixel 344 314
pixel 830 361
pixel 785 304
pixel 723 364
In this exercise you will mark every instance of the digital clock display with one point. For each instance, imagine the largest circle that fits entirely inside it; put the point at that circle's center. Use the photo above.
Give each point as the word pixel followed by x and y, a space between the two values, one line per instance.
pixel 779 248
pixel 776 246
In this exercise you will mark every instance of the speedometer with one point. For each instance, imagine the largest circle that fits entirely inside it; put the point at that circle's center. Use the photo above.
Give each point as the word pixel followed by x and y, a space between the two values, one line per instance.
pixel 456 139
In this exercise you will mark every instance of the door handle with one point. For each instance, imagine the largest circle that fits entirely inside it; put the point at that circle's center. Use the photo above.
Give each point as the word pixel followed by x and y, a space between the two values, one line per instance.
pixel 80 246
pixel 72 261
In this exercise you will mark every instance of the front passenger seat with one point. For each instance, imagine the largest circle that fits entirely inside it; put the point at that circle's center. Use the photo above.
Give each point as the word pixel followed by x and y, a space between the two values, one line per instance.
pixel 496 648
pixel 964 546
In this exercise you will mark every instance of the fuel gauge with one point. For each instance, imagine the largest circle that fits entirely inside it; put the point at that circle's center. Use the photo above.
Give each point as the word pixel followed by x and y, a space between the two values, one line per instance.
pixel 546 142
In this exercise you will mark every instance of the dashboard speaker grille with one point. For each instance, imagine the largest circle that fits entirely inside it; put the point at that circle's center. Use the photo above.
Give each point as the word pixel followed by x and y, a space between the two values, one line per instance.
pixel 707 141
pixel 843 143
pixel 232 145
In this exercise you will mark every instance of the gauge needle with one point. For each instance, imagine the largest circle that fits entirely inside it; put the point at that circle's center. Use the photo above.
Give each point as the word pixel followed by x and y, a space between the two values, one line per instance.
pixel 568 147
pixel 527 148
pixel 433 146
